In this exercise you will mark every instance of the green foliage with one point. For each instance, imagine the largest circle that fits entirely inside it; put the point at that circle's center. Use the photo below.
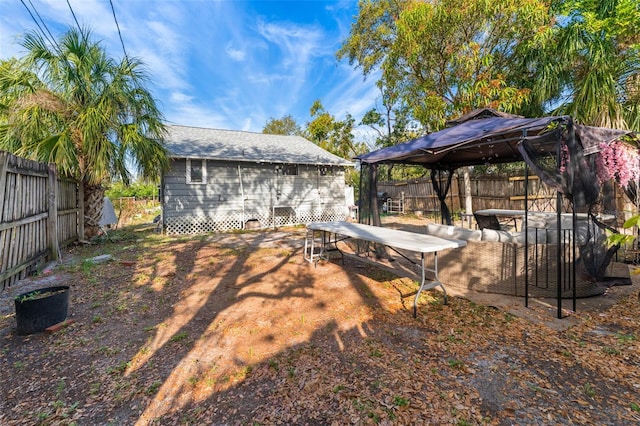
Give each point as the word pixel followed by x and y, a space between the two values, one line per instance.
pixel 138 190
pixel 443 58
pixel 400 401
pixel 286 125
pixel 179 337
pixel 336 136
pixel 591 65
pixel 72 104
pixel 29 296
pixel 503 169
pixel 622 239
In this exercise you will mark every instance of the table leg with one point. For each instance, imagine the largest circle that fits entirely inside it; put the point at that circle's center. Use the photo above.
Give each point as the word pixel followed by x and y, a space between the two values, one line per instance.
pixel 310 247
pixel 424 286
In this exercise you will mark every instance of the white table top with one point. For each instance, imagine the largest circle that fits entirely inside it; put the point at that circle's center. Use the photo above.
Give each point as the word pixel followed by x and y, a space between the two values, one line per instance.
pixel 500 212
pixel 506 212
pixel 412 241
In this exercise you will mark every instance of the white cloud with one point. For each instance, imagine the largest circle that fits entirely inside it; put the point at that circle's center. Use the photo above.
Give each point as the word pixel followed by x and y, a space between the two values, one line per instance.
pixel 298 44
pixel 218 63
pixel 191 115
pixel 179 97
pixel 94 14
pixel 235 54
pixel 247 125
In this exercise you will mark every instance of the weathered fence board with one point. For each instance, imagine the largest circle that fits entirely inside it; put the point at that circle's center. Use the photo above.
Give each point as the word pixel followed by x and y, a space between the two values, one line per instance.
pixel 419 195
pixel 37 211
pixel 487 192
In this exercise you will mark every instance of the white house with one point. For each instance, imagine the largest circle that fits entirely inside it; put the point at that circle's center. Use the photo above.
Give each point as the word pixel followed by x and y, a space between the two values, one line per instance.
pixel 222 180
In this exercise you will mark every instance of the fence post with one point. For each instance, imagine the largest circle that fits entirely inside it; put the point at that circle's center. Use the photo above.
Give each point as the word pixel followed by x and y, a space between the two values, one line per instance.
pixel 4 163
pixel 80 200
pixel 52 225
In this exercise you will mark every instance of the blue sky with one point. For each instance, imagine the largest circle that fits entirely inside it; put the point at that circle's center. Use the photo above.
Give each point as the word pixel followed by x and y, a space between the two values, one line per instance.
pixel 223 64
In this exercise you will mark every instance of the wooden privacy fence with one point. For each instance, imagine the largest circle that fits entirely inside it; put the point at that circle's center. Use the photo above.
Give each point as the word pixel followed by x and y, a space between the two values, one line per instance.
pixel 418 195
pixel 487 192
pixel 39 212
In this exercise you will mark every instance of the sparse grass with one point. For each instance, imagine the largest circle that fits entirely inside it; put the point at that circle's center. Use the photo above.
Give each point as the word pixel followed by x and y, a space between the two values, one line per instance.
pixel 120 368
pixel 369 392
pixel 625 338
pixel 589 390
pixel 153 388
pixel 106 350
pixel 400 401
pixel 375 352
pixel 454 363
pixel 179 337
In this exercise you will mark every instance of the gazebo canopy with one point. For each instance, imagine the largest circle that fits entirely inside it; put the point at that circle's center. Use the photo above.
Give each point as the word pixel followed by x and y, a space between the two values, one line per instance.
pixel 486 136
pixel 494 139
pixel 554 148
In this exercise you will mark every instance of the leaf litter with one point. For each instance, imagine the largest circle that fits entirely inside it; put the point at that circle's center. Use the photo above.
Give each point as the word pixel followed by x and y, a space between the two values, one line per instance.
pixel 239 329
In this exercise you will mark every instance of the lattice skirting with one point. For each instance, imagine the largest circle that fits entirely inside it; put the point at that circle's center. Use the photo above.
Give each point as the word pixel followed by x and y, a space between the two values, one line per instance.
pixel 229 221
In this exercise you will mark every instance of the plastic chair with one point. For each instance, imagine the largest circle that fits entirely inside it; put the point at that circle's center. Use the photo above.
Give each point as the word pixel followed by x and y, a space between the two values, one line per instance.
pixel 487 221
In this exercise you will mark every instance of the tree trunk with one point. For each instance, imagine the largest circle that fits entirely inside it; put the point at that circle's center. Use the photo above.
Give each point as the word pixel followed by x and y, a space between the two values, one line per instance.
pixel 93 201
pixel 468 199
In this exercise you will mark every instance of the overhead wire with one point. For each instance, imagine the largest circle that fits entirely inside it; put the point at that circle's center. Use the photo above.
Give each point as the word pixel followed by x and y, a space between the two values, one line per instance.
pixel 113 10
pixel 47 34
pixel 74 15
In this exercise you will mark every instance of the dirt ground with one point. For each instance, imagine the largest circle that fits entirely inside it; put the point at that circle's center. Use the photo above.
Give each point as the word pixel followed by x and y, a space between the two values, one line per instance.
pixel 240 329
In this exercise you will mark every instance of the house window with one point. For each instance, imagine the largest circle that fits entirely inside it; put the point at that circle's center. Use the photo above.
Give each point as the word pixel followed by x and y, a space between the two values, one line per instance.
pixel 196 171
pixel 290 170
pixel 326 171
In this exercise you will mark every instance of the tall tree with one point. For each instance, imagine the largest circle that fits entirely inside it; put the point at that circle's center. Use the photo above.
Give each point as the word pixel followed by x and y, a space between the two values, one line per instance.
pixel 336 136
pixel 392 125
pixel 591 68
pixel 443 58
pixel 71 104
pixel 286 125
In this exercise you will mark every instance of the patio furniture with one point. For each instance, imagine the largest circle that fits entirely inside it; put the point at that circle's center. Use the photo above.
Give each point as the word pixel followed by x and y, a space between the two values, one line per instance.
pixel 494 262
pixel 487 221
pixel 392 238
pixel 497 219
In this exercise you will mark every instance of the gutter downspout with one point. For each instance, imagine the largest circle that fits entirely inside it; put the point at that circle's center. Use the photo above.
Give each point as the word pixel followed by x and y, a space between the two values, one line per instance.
pixel 241 195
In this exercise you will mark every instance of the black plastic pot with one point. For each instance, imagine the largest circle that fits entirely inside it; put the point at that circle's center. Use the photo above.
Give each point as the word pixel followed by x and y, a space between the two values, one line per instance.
pixel 38 309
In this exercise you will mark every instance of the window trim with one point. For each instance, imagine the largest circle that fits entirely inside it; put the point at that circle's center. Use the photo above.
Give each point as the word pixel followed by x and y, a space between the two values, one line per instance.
pixel 286 168
pixel 204 171
pixel 326 171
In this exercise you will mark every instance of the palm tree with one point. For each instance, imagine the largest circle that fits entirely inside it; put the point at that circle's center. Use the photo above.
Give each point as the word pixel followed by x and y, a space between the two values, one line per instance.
pixel 71 104
pixel 591 68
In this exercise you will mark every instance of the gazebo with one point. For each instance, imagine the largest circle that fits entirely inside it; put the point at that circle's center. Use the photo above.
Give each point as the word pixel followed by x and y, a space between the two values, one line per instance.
pixel 564 155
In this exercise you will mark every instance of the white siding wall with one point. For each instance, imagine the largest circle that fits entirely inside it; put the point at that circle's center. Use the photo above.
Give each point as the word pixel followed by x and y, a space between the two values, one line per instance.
pixel 239 195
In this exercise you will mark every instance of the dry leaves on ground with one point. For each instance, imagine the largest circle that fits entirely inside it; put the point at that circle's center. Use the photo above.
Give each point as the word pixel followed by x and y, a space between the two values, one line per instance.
pixel 239 329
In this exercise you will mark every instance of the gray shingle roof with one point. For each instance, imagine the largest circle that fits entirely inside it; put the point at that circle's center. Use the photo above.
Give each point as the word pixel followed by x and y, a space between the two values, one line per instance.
pixel 215 144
